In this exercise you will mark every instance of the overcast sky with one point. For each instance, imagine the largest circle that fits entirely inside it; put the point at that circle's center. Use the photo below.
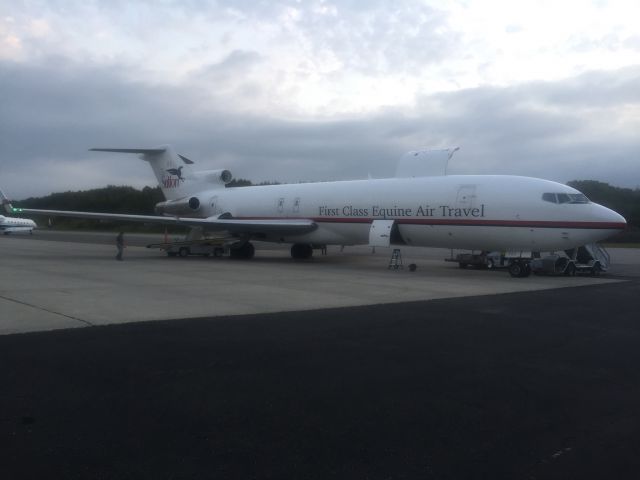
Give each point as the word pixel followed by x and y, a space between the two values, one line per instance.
pixel 317 90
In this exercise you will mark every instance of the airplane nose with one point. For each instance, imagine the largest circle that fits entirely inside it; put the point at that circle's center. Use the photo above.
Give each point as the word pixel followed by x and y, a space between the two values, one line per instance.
pixel 613 219
pixel 620 219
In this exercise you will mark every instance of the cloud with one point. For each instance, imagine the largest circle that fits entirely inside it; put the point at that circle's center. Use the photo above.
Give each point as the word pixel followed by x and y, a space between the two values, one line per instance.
pixel 54 111
pixel 371 38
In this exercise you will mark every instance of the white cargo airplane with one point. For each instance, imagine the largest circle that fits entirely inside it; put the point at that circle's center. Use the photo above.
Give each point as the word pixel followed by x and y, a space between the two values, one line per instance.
pixel 474 212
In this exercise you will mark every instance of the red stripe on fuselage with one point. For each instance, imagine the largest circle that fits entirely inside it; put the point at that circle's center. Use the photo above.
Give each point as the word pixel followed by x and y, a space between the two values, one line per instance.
pixel 460 223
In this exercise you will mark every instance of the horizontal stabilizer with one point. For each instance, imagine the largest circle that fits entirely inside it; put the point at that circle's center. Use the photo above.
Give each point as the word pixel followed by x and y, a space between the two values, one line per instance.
pixel 144 151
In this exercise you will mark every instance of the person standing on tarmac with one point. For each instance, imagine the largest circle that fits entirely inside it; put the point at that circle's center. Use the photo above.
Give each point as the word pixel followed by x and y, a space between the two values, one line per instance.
pixel 120 245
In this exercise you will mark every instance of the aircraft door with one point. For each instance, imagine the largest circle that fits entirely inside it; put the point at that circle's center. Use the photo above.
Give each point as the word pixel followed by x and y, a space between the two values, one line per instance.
pixel 466 197
pixel 214 204
pixel 380 233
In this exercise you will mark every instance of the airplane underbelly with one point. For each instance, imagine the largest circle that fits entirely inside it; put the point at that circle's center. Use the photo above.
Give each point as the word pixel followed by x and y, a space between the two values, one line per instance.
pixel 493 238
pixel 468 237
pixel 9 230
pixel 334 233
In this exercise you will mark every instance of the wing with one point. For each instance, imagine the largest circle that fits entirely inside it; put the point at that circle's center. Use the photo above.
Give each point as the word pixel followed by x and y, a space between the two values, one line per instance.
pixel 231 225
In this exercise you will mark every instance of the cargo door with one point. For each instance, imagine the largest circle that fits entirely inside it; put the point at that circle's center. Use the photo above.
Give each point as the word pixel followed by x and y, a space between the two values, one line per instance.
pixel 215 207
pixel 466 197
pixel 380 233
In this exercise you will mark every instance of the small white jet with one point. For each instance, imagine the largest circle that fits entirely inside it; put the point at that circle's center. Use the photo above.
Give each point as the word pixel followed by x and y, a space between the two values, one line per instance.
pixel 473 212
pixel 16 225
pixel 10 225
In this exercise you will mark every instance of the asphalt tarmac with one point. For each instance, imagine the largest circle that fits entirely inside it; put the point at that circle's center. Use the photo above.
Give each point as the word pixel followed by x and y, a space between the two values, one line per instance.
pixel 541 383
pixel 533 385
pixel 47 285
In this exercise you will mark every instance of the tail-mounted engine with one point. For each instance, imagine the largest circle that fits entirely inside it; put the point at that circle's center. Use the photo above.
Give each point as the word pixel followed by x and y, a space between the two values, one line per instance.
pixel 181 206
pixel 205 180
pixel 221 176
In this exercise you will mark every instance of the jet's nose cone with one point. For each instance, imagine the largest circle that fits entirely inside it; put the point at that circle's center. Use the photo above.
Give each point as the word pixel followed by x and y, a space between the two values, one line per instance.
pixel 620 219
pixel 613 219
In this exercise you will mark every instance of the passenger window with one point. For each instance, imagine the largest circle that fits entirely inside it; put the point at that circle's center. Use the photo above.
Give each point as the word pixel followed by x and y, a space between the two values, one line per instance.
pixel 549 197
pixel 563 198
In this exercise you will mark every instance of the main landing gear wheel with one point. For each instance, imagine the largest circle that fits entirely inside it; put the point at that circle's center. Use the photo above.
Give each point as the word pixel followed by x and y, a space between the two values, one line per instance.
pixel 244 251
pixel 301 251
pixel 519 269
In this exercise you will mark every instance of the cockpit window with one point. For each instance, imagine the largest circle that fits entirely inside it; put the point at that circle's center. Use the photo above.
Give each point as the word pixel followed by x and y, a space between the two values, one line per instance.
pixel 565 197
pixel 578 198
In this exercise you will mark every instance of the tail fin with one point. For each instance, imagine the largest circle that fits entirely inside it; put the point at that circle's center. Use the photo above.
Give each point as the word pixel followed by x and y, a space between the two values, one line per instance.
pixel 6 202
pixel 173 171
pixel 425 163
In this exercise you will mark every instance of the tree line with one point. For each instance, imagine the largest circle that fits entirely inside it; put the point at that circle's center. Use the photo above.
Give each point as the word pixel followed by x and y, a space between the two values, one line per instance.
pixel 122 199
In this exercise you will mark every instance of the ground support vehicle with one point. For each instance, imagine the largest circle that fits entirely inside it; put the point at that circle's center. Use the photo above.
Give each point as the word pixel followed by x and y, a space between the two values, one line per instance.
pixel 205 247
pixel 591 259
pixel 586 260
pixel 488 260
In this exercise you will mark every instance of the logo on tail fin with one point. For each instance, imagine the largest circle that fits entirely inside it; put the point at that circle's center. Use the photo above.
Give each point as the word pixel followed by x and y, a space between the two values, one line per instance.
pixel 177 172
pixel 170 182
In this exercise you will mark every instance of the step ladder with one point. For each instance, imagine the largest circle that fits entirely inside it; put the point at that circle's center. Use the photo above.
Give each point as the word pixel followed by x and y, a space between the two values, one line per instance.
pixel 599 253
pixel 395 262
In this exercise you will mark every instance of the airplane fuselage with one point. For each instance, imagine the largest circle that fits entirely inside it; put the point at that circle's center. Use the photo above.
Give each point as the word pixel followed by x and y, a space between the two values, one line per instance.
pixel 474 212
pixel 483 212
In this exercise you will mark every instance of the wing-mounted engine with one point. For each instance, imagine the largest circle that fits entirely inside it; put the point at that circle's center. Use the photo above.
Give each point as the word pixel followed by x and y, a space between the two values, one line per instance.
pixel 220 177
pixel 181 206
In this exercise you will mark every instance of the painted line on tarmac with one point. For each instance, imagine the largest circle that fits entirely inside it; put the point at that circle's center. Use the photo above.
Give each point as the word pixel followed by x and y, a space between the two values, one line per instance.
pixel 71 317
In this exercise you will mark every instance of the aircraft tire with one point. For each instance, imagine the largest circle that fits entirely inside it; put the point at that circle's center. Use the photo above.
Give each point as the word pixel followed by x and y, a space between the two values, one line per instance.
pixel 245 251
pixel 519 269
pixel 301 251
